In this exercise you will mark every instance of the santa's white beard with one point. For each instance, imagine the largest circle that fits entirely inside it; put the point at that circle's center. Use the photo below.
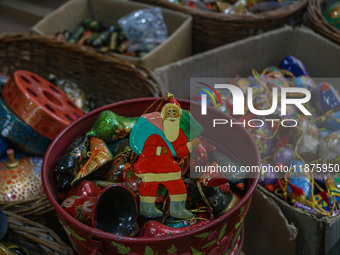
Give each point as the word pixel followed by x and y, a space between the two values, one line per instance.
pixel 171 128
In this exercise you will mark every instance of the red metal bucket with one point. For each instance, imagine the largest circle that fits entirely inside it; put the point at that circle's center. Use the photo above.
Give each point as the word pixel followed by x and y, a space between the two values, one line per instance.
pixel 220 236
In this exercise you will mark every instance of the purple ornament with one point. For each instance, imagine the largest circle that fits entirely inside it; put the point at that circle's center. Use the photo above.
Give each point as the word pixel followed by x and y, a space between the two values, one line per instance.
pixel 268 176
pixel 284 156
pixel 328 97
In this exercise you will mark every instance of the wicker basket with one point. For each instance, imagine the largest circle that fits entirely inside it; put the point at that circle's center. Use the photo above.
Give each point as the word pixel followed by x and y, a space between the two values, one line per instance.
pixel 39 212
pixel 33 237
pixel 105 79
pixel 33 208
pixel 211 29
pixel 315 20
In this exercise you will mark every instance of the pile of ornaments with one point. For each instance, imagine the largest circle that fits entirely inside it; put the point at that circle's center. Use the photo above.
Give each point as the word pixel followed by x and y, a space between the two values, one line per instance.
pixel 96 178
pixel 299 164
pixel 97 34
pixel 135 35
pixel 234 7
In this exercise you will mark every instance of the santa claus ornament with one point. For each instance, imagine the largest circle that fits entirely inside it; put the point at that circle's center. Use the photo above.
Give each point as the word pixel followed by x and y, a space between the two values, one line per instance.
pixel 159 138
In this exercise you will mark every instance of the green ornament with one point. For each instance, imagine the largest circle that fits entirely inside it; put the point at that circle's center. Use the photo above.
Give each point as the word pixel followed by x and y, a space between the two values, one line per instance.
pixel 111 127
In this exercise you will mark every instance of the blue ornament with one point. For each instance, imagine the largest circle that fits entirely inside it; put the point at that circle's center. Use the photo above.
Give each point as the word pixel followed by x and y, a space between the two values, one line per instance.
pixel 328 97
pixel 301 181
pixel 293 65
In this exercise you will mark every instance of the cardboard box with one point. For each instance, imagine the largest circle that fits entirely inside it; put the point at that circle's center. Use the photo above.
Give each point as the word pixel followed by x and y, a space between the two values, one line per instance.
pixel 315 235
pixel 70 15
pixel 321 57
pixel 267 231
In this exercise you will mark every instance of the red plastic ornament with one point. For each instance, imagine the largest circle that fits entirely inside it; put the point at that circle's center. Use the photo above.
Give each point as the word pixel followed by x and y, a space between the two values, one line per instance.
pixel 296 190
pixel 270 187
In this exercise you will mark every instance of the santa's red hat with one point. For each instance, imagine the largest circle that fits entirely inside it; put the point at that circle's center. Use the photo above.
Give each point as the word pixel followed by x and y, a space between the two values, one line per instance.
pixel 173 104
pixel 174 101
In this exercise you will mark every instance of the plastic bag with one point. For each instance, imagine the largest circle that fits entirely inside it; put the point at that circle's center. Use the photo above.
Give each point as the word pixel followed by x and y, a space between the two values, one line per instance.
pixel 144 28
